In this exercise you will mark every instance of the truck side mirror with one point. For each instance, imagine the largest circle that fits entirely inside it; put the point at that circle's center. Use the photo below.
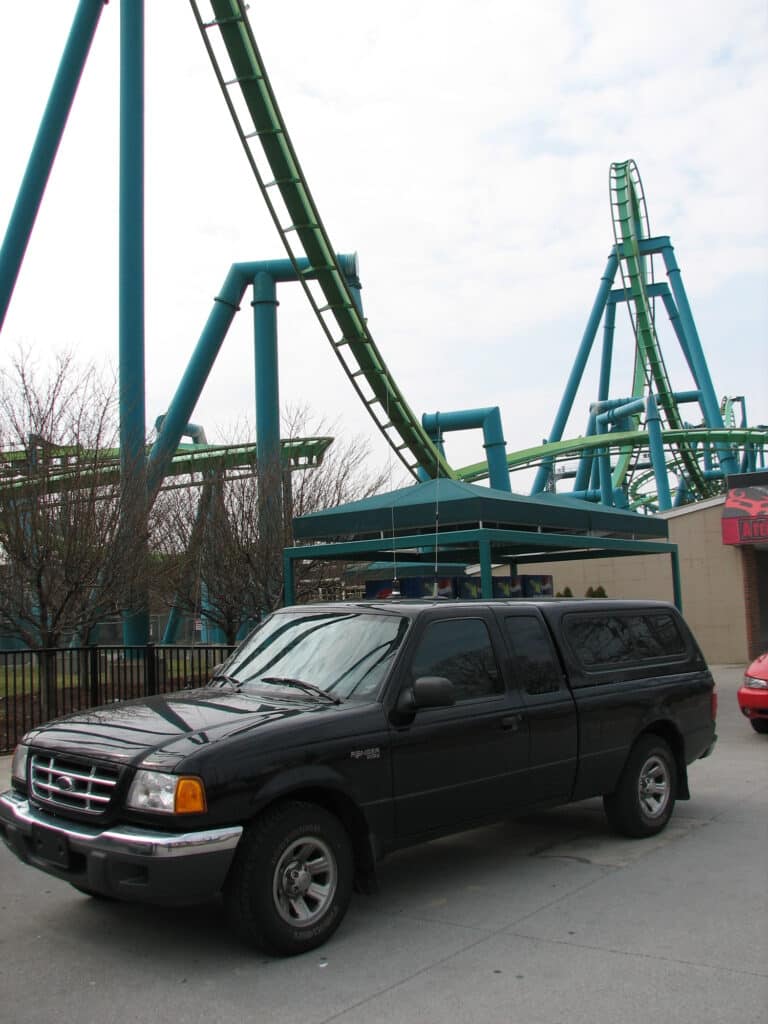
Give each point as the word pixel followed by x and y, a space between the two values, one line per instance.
pixel 426 692
pixel 433 692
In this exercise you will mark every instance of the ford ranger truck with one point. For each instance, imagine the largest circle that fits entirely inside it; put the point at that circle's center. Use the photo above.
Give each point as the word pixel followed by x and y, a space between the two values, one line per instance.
pixel 338 733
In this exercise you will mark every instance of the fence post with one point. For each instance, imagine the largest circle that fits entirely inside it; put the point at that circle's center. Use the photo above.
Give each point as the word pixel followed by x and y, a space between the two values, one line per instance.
pixel 150 670
pixel 93 674
pixel 48 697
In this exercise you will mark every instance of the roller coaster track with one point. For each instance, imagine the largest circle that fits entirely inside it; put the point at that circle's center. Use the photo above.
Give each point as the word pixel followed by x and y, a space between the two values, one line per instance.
pixel 59 468
pixel 630 225
pixel 249 97
pixel 636 440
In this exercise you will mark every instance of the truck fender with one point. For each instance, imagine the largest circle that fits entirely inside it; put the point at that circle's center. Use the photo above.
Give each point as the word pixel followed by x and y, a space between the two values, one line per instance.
pixel 321 785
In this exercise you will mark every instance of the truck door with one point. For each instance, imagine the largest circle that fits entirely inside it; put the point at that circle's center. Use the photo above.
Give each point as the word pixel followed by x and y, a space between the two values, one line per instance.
pixel 535 672
pixel 453 765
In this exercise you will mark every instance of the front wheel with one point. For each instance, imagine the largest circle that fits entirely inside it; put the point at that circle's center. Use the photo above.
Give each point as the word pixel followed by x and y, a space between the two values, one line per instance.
pixel 759 725
pixel 642 803
pixel 291 880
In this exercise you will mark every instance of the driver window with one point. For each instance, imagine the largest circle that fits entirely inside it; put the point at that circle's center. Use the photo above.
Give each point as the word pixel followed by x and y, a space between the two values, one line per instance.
pixel 459 650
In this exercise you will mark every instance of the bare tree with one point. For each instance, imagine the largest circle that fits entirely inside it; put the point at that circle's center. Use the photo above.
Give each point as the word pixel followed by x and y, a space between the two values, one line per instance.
pixel 66 556
pixel 221 539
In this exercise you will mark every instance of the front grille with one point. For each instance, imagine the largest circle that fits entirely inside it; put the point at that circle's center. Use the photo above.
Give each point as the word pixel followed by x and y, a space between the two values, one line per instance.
pixel 70 783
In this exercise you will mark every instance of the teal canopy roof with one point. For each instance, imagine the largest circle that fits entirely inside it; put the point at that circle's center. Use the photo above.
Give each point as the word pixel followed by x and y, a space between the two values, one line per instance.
pixel 453 504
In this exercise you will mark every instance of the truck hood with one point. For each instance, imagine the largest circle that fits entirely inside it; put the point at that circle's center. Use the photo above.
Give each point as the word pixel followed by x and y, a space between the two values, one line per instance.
pixel 170 726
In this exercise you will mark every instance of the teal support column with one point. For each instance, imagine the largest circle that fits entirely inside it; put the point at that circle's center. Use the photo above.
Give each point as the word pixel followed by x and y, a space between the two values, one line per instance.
pixel 609 326
pixel 349 265
pixel 226 304
pixel 131 293
pixel 695 354
pixel 604 470
pixel 46 144
pixel 677 590
pixel 131 242
pixel 581 480
pixel 574 380
pixel 288 594
pixel 486 571
pixel 266 371
pixel 210 633
pixel 487 419
pixel 171 630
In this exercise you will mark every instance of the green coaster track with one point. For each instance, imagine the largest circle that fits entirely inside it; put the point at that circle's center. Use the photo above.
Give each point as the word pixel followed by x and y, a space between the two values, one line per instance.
pixel 630 226
pixel 243 79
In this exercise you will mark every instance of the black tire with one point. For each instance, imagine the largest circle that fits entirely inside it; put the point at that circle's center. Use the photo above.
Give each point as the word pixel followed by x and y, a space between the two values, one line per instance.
pixel 290 883
pixel 759 725
pixel 642 803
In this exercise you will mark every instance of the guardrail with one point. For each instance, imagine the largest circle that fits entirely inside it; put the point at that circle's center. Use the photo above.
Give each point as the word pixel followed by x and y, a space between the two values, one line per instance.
pixel 38 685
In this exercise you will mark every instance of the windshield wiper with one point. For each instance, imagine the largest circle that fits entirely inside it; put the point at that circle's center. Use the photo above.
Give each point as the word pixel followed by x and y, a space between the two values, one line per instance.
pixel 299 684
pixel 222 678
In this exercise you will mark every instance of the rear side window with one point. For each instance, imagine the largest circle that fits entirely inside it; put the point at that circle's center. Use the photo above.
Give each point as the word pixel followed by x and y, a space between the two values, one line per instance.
pixel 616 640
pixel 459 650
pixel 655 636
pixel 534 668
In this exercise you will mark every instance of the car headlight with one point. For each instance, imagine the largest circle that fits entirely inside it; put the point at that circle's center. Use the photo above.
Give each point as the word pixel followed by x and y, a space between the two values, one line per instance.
pixel 19 763
pixel 166 794
pixel 755 684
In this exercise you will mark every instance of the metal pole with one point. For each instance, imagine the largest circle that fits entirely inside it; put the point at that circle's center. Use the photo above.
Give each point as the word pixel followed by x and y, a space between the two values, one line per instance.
pixel 288 597
pixel 574 380
pixel 486 570
pixel 183 403
pixel 677 590
pixel 131 290
pixel 656 446
pixel 266 372
pixel 45 147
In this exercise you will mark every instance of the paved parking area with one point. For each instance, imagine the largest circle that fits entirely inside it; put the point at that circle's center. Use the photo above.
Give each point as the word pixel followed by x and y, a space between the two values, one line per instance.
pixel 546 920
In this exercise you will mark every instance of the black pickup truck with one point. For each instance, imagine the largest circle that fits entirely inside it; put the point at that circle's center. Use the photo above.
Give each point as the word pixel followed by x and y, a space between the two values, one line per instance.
pixel 337 733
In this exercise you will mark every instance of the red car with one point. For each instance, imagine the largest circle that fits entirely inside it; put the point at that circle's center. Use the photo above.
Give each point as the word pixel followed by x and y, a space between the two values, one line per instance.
pixel 753 694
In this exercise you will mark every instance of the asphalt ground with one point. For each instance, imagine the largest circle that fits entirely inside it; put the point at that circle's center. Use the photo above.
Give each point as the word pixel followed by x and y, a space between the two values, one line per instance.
pixel 546 920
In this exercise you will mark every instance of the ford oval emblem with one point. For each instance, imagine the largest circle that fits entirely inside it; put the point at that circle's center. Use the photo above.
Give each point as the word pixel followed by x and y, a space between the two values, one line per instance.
pixel 65 783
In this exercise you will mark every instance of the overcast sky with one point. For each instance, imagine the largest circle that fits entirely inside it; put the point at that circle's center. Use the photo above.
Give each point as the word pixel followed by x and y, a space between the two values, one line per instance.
pixel 462 150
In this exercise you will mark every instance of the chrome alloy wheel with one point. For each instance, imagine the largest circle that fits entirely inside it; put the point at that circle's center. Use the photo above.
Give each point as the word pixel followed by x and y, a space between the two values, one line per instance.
pixel 304 882
pixel 653 786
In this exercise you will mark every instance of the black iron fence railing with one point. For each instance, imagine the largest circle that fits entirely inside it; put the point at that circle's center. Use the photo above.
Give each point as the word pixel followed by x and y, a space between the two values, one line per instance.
pixel 38 685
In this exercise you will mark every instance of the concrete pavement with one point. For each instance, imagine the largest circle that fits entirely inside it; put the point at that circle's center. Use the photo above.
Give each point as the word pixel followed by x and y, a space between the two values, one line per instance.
pixel 542 921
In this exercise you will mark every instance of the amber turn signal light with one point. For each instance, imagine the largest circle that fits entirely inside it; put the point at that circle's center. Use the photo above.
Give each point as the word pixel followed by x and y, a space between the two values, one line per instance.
pixel 190 796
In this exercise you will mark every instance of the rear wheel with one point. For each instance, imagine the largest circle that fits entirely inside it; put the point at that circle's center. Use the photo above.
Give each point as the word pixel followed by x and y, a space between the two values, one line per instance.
pixel 291 881
pixel 642 803
pixel 759 724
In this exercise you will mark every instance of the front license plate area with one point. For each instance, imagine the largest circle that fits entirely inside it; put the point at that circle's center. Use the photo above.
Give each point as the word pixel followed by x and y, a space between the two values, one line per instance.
pixel 51 847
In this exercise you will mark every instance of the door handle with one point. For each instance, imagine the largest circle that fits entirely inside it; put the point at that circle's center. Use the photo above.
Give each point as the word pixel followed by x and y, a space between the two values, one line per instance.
pixel 511 722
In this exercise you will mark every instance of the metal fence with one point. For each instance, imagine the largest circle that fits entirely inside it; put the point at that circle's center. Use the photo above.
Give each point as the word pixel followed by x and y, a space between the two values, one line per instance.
pixel 38 685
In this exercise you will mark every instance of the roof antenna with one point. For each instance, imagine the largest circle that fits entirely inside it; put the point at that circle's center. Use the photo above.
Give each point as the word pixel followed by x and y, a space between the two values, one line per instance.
pixel 395 592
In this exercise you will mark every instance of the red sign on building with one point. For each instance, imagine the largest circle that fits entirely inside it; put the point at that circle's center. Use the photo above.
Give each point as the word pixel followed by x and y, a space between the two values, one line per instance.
pixel 745 514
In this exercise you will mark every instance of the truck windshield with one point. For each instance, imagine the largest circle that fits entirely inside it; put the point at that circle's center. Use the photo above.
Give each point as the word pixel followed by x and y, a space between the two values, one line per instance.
pixel 345 654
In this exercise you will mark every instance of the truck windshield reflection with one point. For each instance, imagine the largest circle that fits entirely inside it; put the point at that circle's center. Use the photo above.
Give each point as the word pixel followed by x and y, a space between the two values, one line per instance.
pixel 343 654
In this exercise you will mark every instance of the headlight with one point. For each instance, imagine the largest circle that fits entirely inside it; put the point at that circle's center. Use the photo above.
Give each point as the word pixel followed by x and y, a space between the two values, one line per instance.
pixel 19 763
pixel 167 794
pixel 755 684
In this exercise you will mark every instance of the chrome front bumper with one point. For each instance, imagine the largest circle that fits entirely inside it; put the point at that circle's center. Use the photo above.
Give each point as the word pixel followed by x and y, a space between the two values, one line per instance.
pixel 125 862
